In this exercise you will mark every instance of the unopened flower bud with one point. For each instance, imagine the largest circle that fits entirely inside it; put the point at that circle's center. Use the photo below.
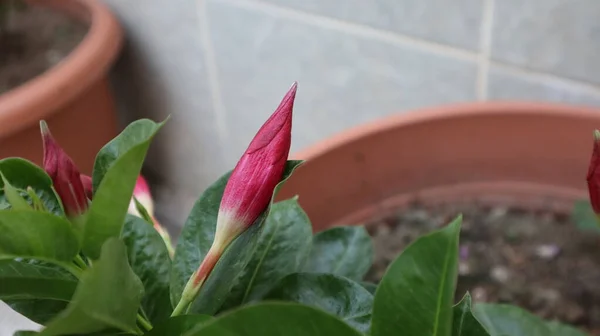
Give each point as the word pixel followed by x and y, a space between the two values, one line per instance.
pixel 64 174
pixel 248 191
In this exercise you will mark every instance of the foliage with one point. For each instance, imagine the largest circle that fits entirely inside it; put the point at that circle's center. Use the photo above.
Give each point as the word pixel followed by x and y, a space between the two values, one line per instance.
pixel 110 273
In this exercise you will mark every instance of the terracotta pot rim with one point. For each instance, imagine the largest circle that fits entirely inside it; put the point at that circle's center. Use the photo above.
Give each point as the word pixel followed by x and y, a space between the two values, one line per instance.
pixel 86 64
pixel 442 113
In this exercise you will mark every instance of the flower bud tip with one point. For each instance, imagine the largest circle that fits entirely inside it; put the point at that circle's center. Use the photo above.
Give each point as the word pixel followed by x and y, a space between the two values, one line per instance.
pixel 596 135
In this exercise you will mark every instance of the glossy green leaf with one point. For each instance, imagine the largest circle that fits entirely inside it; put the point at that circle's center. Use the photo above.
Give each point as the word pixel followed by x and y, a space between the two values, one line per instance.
pixel 22 174
pixel 275 319
pixel 37 310
pixel 149 259
pixel 195 241
pixel 503 319
pixel 14 198
pixel 36 235
pixel 178 325
pixel 40 311
pixel 116 169
pixel 108 296
pixel 584 217
pixel 464 323
pixel 371 287
pixel 21 280
pixel 282 248
pixel 345 251
pixel 135 134
pixel 336 295
pixel 416 293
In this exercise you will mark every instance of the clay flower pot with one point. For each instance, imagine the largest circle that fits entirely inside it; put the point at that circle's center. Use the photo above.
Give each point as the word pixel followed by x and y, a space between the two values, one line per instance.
pixel 529 155
pixel 73 97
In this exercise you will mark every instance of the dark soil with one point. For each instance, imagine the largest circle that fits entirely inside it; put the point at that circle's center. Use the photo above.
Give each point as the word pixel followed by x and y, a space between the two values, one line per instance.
pixel 537 260
pixel 34 40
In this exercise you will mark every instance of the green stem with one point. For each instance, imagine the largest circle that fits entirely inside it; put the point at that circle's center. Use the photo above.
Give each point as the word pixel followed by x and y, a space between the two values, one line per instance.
pixel 138 330
pixel 76 271
pixel 80 262
pixel 144 323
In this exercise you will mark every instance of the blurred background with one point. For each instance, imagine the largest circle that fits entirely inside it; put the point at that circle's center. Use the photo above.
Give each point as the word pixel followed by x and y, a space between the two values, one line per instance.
pixel 220 67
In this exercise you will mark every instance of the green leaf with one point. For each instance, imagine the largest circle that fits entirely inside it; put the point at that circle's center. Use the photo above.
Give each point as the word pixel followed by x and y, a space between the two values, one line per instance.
pixel 282 248
pixel 275 319
pixel 584 217
pixel 36 235
pixel 13 197
pixel 116 169
pixel 464 323
pixel 108 296
pixel 22 280
pixel 22 174
pixel 135 134
pixel 503 319
pixel 195 241
pixel 40 311
pixel 416 293
pixel 178 325
pixel 371 287
pixel 345 251
pixel 143 212
pixel 149 259
pixel 37 310
pixel 336 295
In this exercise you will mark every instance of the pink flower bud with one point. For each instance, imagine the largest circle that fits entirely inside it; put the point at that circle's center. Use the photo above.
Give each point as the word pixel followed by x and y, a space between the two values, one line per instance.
pixel 64 174
pixel 250 187
pixel 141 192
pixel 87 185
pixel 593 175
pixel 248 192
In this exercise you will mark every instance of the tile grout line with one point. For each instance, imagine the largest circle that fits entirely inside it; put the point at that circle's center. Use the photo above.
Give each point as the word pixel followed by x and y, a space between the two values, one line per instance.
pixel 353 28
pixel 212 72
pixel 545 77
pixel 485 44
pixel 356 29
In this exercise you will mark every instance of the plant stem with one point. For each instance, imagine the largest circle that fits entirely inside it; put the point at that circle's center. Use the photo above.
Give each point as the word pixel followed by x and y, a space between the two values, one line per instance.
pixel 76 271
pixel 144 323
pixel 138 330
pixel 79 262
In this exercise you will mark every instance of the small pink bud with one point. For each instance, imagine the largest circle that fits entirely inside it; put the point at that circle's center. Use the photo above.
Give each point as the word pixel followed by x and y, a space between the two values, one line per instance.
pixel 65 176
pixel 141 192
pixel 250 187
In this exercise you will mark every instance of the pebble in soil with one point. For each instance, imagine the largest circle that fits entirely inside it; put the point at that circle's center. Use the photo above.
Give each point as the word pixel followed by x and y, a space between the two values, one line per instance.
pixel 537 260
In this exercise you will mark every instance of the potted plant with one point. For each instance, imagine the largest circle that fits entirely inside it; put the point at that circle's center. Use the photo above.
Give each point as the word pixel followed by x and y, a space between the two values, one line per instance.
pixel 74 260
pixel 515 171
pixel 53 66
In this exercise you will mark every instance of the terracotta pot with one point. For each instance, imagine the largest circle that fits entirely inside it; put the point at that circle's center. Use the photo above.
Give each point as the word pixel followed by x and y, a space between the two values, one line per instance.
pixel 73 97
pixel 520 154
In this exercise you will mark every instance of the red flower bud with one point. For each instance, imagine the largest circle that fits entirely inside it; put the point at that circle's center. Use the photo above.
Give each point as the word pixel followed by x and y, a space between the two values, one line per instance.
pixel 64 174
pixel 249 190
pixel 87 185
pixel 593 175
pixel 250 187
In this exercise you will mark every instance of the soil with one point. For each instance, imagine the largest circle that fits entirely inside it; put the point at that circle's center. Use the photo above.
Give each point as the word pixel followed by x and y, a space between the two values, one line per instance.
pixel 35 39
pixel 537 260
